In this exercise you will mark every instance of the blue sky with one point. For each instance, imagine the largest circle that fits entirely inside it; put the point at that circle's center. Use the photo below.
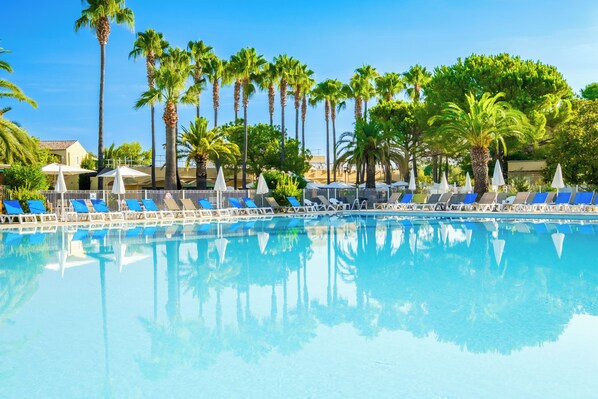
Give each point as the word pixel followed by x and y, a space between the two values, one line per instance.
pixel 60 68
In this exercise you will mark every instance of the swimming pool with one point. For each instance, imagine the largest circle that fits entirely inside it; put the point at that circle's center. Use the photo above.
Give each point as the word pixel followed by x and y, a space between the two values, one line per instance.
pixel 358 306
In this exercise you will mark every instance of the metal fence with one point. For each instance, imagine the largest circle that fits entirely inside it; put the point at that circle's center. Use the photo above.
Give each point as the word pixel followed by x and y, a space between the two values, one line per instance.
pixel 351 196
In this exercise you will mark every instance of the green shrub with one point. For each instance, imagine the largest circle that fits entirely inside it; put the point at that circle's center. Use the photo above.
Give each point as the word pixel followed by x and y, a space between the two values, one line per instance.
pixel 26 177
pixel 520 184
pixel 287 186
pixel 22 195
pixel 273 177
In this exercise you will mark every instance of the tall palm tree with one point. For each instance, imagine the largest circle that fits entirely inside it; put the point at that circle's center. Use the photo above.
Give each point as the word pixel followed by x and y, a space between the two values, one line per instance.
pixel 98 16
pixel 201 55
pixel 416 80
pixel 170 79
pixel 300 79
pixel 216 74
pixel 267 81
pixel 249 66
pixel 325 92
pixel 233 72
pixel 366 146
pixel 199 144
pixel 486 121
pixel 337 102
pixel 284 66
pixel 151 45
pixel 306 90
pixel 353 90
pixel 388 85
pixel 367 74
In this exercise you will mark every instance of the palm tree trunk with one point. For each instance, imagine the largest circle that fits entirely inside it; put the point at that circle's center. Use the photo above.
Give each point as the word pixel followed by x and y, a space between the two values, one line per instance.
pixel 365 110
pixel 101 116
pixel 271 99
pixel 244 173
pixel 201 173
pixel 303 114
pixel 327 113
pixel 370 177
pixel 283 98
pixel 170 119
pixel 153 111
pixel 237 97
pixel 479 162
pixel 333 143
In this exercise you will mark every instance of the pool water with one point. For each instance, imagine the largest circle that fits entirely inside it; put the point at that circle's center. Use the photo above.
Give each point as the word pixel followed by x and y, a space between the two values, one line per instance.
pixel 328 307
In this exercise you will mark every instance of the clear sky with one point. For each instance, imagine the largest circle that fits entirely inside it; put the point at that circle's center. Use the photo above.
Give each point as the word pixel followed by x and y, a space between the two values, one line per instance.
pixel 60 68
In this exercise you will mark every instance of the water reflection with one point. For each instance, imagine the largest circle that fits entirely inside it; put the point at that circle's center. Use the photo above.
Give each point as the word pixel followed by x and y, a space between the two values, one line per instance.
pixel 484 286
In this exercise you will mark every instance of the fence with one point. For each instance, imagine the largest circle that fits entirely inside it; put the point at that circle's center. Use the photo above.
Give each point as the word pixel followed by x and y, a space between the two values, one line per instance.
pixel 349 196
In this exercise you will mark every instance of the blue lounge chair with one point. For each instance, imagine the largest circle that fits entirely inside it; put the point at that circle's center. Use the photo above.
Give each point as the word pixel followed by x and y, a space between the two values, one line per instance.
pixel 561 202
pixel 466 204
pixel 151 207
pixel 205 204
pixel 101 207
pixel 582 201
pixel 81 213
pixel 251 204
pixel 137 212
pixel 239 208
pixel 15 212
pixel 538 203
pixel 403 202
pixel 297 207
pixel 38 208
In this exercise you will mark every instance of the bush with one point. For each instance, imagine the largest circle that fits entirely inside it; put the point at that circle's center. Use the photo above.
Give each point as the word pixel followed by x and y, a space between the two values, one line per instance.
pixel 287 186
pixel 520 184
pixel 274 177
pixel 25 177
pixel 22 195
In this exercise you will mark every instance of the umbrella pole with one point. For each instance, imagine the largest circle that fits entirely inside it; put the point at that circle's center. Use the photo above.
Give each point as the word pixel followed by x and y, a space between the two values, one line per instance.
pixel 62 206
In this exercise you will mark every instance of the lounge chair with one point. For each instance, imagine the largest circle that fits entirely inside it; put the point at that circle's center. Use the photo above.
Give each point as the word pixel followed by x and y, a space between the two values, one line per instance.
pixel 249 203
pixel 467 203
pixel 189 206
pixel 81 212
pixel 297 207
pixel 430 203
pixel 392 200
pixel 15 212
pixel 37 207
pixel 538 203
pixel 402 203
pixel 519 200
pixel 137 212
pixel 455 199
pixel 593 207
pixel 442 204
pixel 274 205
pixel 152 209
pixel 206 205
pixel 101 207
pixel 560 203
pixel 327 204
pixel 418 200
pixel 178 212
pixel 315 205
pixel 238 207
pixel 339 204
pixel 582 201
pixel 487 203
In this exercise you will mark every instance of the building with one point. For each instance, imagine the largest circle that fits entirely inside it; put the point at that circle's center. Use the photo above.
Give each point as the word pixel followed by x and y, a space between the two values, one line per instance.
pixel 69 152
pixel 533 171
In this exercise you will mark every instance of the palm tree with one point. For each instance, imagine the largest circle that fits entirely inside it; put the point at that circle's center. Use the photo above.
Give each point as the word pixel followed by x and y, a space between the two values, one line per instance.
pixel 216 73
pixel 170 79
pixel 201 55
pixel 366 146
pixel 267 81
pixel 325 92
pixel 486 121
pixel 337 102
pixel 366 74
pixel 306 90
pixel 97 16
pixel 232 71
pixel 300 81
pixel 284 66
pixel 249 65
pixel 353 90
pixel 15 143
pixel 151 45
pixel 388 85
pixel 200 144
pixel 416 80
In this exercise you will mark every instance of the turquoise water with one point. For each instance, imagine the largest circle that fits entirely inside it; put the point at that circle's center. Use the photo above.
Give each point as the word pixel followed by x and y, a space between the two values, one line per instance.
pixel 302 308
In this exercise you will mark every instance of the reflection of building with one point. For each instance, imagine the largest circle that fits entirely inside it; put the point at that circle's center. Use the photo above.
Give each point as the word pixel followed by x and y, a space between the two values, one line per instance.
pixel 69 152
pixel 531 170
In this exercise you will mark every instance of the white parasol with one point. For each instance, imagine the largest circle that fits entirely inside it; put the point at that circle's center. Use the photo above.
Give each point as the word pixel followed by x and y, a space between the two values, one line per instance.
pixel 557 180
pixel 497 178
pixel 219 186
pixel 468 188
